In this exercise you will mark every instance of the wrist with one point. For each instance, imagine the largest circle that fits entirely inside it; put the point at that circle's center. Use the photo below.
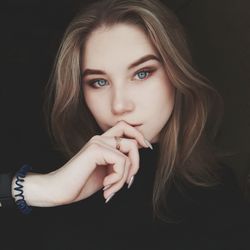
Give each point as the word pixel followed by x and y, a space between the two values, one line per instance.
pixel 37 190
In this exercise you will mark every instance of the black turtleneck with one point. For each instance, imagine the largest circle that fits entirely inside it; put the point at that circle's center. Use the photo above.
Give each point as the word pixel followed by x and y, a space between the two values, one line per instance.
pixel 217 219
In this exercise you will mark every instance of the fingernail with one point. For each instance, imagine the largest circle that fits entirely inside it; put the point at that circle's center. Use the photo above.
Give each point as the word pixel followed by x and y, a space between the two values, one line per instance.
pixel 148 143
pixel 106 187
pixel 109 198
pixel 131 181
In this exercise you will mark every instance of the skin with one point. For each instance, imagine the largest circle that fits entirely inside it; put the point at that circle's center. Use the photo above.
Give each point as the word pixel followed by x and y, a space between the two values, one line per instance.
pixel 120 98
pixel 125 94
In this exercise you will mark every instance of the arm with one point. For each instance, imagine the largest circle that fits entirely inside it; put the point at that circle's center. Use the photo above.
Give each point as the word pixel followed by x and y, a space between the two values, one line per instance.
pixel 99 163
pixel 38 190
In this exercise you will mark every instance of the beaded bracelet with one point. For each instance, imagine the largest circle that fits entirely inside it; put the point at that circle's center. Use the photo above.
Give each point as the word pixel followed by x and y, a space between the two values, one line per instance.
pixel 21 203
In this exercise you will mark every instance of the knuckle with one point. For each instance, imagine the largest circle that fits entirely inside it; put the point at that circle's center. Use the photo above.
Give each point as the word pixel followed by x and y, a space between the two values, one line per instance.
pixel 122 123
pixel 120 175
pixel 126 160
pixel 134 142
pixel 122 158
pixel 95 139
pixel 94 145
pixel 92 139
pixel 123 168
pixel 119 185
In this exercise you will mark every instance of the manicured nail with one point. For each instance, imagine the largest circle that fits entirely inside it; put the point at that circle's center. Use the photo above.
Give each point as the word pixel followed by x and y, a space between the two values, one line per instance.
pixel 148 143
pixel 109 198
pixel 131 181
pixel 106 187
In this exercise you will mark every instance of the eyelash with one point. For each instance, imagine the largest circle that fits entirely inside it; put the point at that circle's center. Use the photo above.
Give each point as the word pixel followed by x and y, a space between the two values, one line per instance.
pixel 146 70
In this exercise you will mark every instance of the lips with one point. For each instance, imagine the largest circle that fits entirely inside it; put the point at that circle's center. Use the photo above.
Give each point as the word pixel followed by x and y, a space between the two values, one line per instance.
pixel 135 125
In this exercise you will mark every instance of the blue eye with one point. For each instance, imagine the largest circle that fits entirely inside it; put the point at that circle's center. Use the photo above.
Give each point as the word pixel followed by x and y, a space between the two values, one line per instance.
pixel 142 74
pixel 100 83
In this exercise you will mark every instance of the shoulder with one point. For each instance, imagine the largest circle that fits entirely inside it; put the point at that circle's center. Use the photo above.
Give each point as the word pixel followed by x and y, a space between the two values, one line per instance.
pixel 213 213
pixel 226 193
pixel 221 207
pixel 225 197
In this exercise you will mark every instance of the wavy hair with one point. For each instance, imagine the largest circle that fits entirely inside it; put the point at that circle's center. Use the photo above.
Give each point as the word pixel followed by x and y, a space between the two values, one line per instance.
pixel 187 137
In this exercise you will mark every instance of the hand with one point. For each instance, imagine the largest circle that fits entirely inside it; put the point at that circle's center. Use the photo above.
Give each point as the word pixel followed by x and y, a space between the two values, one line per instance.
pixel 99 164
pixel 107 176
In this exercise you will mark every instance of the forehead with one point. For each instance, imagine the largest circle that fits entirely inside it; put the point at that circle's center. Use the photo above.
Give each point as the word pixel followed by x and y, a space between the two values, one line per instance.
pixel 118 45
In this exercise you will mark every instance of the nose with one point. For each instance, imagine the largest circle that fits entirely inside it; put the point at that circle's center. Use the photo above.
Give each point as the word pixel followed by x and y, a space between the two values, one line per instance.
pixel 121 101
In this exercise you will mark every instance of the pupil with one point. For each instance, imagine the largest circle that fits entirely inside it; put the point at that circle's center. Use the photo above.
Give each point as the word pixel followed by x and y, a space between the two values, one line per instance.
pixel 141 74
pixel 102 82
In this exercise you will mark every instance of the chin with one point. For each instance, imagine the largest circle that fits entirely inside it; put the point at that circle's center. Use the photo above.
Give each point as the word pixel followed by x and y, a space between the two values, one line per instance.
pixel 154 139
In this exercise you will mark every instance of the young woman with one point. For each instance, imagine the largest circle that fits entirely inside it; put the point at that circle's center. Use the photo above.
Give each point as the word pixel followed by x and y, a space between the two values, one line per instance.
pixel 126 105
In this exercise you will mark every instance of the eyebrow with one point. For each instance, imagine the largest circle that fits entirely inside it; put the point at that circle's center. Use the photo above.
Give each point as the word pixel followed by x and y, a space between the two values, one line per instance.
pixel 134 64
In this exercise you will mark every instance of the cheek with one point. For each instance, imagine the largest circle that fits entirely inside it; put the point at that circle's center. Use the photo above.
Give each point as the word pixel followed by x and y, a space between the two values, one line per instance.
pixel 168 100
pixel 161 96
pixel 165 105
pixel 167 90
pixel 97 106
pixel 92 103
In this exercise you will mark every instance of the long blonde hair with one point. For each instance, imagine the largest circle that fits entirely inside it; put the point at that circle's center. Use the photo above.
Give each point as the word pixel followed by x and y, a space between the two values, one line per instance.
pixel 186 142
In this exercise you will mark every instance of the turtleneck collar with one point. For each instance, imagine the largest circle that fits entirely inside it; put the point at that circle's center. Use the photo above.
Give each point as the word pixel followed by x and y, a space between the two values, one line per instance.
pixel 149 156
pixel 143 151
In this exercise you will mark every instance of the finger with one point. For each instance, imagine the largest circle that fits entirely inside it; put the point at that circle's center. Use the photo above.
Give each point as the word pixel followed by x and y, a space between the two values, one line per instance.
pixel 134 157
pixel 128 147
pixel 113 182
pixel 118 184
pixel 122 129
pixel 110 157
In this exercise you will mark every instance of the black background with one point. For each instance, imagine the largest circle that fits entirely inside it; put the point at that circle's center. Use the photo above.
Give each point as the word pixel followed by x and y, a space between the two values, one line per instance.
pixel 219 35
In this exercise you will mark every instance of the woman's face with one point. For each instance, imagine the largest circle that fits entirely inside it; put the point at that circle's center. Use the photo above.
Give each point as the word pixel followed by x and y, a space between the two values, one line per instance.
pixel 124 80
